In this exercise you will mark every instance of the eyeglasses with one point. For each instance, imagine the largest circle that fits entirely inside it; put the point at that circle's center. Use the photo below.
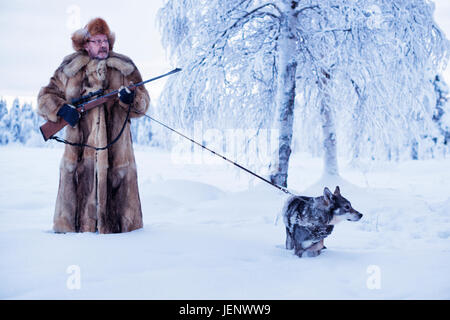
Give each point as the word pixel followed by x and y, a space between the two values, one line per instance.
pixel 99 42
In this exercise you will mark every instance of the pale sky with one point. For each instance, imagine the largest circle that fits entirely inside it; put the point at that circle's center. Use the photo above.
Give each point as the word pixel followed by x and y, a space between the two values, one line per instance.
pixel 35 36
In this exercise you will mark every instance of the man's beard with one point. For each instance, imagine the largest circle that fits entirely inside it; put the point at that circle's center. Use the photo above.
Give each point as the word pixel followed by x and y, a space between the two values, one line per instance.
pixel 98 57
pixel 103 52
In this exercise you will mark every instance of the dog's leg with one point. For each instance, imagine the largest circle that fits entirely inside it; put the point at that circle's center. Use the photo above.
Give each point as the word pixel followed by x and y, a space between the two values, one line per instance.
pixel 299 251
pixel 323 245
pixel 289 240
pixel 316 246
pixel 315 249
pixel 300 238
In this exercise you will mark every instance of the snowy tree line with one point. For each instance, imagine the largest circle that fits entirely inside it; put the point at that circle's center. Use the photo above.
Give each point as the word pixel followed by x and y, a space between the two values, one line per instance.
pixel 358 72
pixel 20 124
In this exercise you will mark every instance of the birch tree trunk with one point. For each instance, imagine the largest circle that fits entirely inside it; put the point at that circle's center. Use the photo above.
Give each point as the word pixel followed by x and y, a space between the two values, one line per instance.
pixel 330 168
pixel 285 98
pixel 358 119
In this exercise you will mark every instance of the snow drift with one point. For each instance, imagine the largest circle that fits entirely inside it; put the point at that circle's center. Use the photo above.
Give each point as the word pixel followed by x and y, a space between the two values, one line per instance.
pixel 209 233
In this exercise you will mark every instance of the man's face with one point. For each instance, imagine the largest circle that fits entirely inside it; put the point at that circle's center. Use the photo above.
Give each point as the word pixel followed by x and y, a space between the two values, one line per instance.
pixel 97 47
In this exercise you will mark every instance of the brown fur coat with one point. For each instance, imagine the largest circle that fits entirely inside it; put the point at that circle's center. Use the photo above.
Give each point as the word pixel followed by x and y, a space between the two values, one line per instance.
pixel 98 190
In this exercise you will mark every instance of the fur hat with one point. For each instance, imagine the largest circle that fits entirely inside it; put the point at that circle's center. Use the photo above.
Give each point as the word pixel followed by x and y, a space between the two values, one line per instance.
pixel 94 27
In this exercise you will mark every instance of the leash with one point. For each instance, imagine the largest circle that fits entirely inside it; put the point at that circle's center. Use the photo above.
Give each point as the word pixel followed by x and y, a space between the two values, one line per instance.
pixel 285 190
pixel 85 100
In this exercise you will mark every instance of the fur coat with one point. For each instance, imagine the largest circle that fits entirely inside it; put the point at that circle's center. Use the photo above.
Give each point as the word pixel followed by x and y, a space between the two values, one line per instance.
pixel 98 190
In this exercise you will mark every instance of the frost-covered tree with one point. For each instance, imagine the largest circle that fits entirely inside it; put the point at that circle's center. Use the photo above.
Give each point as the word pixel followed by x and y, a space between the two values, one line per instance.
pixel 360 68
pixel 229 69
pixel 20 124
pixel 441 114
pixel 4 123
pixel 14 123
pixel 144 133
pixel 436 141
pixel 3 109
pixel 141 131
pixel 405 48
pixel 28 123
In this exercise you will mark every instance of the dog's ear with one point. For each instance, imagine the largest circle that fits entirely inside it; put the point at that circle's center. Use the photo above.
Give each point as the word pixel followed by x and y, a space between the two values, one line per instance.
pixel 327 195
pixel 337 191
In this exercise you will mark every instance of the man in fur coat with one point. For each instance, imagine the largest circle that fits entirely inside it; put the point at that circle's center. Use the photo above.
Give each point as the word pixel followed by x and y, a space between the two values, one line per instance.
pixel 98 190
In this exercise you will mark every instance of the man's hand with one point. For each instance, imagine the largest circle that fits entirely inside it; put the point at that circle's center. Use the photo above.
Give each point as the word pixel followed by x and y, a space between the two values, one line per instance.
pixel 69 113
pixel 126 95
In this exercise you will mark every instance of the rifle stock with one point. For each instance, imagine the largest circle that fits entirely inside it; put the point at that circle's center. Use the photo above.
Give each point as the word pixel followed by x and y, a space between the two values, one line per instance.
pixel 50 128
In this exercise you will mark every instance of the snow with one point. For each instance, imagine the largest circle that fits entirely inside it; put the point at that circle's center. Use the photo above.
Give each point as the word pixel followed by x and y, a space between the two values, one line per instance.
pixel 209 233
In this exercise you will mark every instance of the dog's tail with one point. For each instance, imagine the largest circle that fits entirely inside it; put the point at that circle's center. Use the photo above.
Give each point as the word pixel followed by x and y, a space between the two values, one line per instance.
pixel 284 211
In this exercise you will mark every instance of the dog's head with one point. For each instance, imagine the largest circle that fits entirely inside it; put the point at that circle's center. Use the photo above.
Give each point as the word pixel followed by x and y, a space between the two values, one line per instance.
pixel 341 208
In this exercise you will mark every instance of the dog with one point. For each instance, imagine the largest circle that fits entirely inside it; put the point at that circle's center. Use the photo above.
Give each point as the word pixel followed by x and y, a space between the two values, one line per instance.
pixel 309 220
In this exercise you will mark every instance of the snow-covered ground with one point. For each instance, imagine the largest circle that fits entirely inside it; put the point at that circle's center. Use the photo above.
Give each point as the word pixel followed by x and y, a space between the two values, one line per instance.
pixel 209 234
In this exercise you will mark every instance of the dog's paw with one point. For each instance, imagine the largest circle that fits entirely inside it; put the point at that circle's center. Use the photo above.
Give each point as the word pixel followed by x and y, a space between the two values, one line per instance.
pixel 299 252
pixel 311 254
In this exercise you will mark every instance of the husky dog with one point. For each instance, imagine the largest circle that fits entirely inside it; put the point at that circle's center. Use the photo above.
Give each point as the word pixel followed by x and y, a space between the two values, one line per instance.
pixel 310 220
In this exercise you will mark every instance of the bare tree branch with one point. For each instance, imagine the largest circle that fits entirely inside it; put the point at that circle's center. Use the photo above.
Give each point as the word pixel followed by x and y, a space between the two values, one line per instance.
pixel 239 22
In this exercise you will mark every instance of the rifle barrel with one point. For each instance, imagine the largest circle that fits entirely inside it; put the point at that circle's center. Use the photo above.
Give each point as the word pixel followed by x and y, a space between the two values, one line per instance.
pixel 133 86
pixel 156 78
pixel 50 128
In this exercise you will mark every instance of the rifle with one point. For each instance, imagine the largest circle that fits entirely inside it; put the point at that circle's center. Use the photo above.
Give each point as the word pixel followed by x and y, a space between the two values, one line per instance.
pixel 83 104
